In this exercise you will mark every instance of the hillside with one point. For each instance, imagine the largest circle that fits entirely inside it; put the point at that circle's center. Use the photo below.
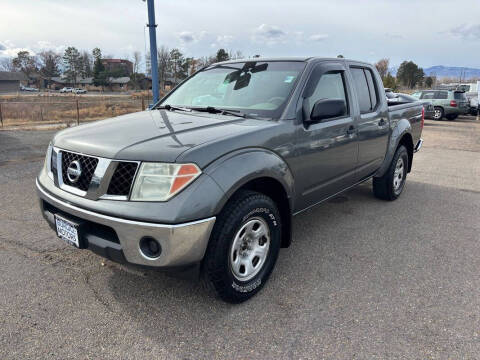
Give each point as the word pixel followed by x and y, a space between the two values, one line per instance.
pixel 448 71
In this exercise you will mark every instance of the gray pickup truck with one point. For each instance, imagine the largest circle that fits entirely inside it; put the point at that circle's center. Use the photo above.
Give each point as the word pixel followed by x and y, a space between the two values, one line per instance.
pixel 211 176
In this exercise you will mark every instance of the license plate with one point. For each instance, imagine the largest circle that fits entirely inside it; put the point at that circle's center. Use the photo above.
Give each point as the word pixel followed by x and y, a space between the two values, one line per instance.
pixel 67 230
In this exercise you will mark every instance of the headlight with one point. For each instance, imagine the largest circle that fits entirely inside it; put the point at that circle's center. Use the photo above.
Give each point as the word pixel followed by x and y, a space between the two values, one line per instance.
pixel 159 182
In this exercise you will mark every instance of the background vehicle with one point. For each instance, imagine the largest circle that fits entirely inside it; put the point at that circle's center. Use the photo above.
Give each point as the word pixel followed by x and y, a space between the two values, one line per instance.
pixel 472 98
pixel 79 91
pixel 428 108
pixel 66 90
pixel 27 88
pixel 447 103
pixel 212 175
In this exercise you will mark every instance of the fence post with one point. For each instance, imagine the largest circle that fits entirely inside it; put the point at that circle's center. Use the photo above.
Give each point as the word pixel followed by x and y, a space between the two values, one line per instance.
pixel 1 116
pixel 78 113
pixel 143 103
pixel 41 113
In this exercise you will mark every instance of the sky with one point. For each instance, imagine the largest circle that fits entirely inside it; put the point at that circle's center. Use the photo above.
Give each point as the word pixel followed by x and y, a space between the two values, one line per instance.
pixel 428 32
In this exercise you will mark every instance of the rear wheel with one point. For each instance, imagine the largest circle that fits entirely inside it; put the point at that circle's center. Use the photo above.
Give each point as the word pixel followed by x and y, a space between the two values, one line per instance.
pixel 244 247
pixel 391 184
pixel 438 114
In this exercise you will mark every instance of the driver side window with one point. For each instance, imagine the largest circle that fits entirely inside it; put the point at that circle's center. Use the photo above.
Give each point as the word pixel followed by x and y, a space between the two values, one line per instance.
pixel 330 86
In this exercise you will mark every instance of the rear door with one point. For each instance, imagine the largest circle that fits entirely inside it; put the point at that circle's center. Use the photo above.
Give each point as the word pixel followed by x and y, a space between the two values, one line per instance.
pixel 326 151
pixel 372 121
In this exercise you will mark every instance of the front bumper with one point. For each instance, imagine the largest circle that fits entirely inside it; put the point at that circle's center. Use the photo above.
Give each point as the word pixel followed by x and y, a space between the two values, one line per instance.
pixel 118 238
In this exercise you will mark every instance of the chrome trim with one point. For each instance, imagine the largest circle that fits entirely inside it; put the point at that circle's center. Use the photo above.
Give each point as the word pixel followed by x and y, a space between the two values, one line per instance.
pixel 101 178
pixel 182 244
pixel 48 161
pixel 419 145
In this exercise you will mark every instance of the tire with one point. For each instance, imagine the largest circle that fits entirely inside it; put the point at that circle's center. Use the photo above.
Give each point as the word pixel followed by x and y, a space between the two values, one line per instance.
pixel 228 250
pixel 391 184
pixel 451 117
pixel 438 114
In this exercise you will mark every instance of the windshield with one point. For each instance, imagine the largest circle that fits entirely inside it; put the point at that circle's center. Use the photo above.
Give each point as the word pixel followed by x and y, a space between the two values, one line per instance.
pixel 459 95
pixel 254 88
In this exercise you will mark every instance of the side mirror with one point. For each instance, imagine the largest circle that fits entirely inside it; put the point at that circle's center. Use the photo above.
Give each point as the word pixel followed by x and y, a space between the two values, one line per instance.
pixel 327 109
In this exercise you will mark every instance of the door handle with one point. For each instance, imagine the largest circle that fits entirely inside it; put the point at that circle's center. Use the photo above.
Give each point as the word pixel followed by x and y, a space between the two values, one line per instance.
pixel 351 130
pixel 382 122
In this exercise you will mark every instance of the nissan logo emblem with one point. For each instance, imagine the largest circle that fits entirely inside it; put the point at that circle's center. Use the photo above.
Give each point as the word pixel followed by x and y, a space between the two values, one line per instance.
pixel 74 171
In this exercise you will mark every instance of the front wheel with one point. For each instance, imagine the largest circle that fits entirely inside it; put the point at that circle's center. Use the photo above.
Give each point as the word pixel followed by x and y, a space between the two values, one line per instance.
pixel 244 247
pixel 391 184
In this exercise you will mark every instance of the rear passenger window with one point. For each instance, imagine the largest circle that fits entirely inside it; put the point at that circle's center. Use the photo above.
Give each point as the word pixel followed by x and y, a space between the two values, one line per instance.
pixel 363 93
pixel 428 95
pixel 441 95
pixel 372 88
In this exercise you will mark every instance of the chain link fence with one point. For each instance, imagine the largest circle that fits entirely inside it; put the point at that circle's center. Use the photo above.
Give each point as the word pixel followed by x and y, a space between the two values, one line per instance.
pixel 14 113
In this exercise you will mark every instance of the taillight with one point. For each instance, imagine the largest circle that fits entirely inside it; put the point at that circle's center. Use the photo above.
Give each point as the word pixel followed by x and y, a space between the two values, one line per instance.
pixel 422 123
pixel 453 103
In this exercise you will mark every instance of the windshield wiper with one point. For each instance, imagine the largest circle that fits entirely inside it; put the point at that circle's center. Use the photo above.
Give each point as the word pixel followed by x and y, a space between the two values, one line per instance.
pixel 214 110
pixel 171 108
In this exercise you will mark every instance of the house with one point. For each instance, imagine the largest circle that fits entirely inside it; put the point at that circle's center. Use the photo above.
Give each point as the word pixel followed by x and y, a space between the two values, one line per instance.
pixel 114 84
pixel 10 81
pixel 168 84
pixel 118 65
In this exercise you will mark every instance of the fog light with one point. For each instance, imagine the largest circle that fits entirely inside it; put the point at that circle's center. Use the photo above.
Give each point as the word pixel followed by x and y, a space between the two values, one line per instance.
pixel 150 248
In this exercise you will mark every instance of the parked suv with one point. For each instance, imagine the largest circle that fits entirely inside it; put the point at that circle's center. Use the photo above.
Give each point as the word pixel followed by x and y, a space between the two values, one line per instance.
pixel 447 103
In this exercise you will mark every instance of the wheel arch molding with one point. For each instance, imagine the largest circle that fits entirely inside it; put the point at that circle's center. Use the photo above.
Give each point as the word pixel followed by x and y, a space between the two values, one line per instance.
pixel 259 170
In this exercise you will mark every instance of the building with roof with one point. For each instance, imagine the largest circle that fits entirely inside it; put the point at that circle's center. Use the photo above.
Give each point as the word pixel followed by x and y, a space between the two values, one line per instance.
pixel 118 65
pixel 114 84
pixel 10 81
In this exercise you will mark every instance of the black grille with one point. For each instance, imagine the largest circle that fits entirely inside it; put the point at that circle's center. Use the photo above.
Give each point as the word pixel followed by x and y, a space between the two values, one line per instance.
pixel 88 165
pixel 122 179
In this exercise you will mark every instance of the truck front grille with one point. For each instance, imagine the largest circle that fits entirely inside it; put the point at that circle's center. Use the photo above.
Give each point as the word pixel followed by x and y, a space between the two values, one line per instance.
pixel 122 179
pixel 88 165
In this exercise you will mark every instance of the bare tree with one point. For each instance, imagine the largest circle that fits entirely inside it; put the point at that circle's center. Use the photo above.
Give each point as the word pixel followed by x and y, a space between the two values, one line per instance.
pixel 49 64
pixel 382 67
pixel 25 63
pixel 164 65
pixel 6 64
pixel 137 59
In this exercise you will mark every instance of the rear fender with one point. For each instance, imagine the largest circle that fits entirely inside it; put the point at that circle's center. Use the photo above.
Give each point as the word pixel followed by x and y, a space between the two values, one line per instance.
pixel 401 127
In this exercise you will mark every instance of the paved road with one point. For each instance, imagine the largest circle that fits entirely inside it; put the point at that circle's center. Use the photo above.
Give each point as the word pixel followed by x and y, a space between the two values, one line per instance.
pixel 364 279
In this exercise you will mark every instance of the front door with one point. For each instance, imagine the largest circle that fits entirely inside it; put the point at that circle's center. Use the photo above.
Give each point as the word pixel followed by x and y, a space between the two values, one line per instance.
pixel 326 151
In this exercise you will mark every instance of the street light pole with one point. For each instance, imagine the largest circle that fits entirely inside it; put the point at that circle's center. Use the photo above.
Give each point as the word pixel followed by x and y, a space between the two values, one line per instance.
pixel 153 48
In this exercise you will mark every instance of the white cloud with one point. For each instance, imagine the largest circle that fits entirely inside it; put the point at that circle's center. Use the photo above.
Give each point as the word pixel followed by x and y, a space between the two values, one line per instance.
pixel 466 32
pixel 186 37
pixel 318 37
pixel 269 34
pixel 224 39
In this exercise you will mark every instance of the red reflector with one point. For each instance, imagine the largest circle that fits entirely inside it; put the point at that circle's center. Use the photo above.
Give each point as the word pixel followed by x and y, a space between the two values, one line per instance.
pixel 453 103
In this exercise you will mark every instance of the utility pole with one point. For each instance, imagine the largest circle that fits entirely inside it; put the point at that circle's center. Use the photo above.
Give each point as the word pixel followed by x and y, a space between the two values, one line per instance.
pixel 153 48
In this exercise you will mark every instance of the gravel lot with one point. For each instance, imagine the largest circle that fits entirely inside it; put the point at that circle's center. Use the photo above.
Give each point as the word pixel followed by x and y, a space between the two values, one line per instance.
pixel 364 279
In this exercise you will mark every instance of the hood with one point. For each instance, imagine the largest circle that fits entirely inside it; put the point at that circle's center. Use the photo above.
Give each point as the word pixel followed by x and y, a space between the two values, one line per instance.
pixel 154 135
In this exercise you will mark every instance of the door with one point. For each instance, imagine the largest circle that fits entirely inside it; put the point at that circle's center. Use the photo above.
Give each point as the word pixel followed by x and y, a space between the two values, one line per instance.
pixel 372 122
pixel 326 151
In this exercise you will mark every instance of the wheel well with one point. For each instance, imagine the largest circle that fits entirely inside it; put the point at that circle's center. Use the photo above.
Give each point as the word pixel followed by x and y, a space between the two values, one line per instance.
pixel 274 190
pixel 407 141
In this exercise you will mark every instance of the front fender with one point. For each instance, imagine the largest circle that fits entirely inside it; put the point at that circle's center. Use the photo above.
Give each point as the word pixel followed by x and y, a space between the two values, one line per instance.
pixel 400 128
pixel 235 169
